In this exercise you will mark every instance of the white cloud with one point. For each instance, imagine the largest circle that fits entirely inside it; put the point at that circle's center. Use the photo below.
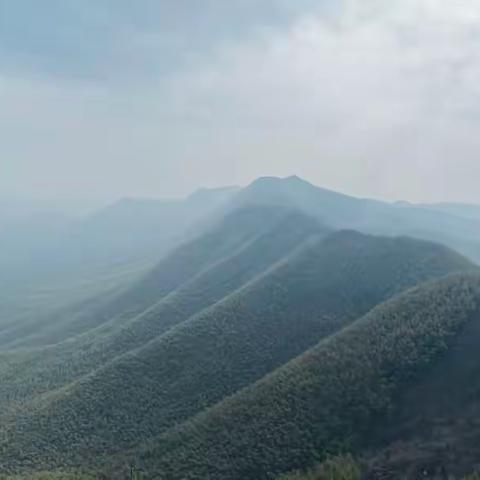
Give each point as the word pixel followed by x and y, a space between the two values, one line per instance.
pixel 383 90
pixel 381 99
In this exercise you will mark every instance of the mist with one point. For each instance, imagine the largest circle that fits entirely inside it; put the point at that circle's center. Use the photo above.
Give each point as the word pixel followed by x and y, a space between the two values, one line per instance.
pixel 239 239
pixel 102 100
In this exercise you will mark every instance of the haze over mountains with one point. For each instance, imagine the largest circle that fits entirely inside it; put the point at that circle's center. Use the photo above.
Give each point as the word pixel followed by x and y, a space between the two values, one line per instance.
pixel 138 229
pixel 242 333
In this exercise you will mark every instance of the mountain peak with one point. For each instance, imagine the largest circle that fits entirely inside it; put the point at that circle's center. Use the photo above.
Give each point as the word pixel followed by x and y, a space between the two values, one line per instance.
pixel 295 178
pixel 271 179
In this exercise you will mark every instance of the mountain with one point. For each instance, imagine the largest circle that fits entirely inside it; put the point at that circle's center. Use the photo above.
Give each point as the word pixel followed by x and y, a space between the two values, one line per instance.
pixel 133 227
pixel 340 211
pixel 244 334
pixel 335 209
pixel 464 210
pixel 336 396
pixel 192 278
pixel 188 264
pixel 48 262
pixel 214 317
pixel 45 266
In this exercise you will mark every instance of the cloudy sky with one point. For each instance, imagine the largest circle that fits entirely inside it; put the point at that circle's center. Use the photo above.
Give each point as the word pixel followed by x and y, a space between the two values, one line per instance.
pixel 108 98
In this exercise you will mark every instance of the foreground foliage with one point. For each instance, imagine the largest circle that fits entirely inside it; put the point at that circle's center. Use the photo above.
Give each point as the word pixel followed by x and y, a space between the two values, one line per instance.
pixel 250 343
pixel 244 317
pixel 334 468
pixel 326 400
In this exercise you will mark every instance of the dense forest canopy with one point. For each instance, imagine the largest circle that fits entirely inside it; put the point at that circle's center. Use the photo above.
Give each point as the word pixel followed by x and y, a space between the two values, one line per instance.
pixel 267 340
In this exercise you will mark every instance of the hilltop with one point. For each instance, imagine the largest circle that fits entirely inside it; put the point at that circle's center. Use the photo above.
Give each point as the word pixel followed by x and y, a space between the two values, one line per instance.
pixel 279 323
pixel 212 318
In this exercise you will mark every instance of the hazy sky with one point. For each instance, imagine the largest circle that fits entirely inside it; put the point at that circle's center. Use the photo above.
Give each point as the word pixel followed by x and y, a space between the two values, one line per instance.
pixel 107 98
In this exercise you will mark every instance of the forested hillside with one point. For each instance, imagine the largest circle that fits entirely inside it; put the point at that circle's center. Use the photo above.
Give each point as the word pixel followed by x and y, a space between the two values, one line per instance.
pixel 176 303
pixel 48 262
pixel 264 341
pixel 329 399
pixel 99 253
pixel 194 277
pixel 62 406
pixel 184 264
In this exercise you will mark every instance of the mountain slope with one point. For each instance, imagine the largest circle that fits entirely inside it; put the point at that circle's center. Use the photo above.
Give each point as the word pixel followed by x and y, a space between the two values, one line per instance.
pixel 248 329
pixel 94 254
pixel 435 428
pixel 369 216
pixel 98 255
pixel 183 263
pixel 327 400
pixel 465 210
pixel 315 289
pixel 194 277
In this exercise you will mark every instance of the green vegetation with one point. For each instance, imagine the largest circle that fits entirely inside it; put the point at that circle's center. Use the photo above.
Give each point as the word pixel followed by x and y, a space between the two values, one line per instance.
pixel 328 399
pixel 45 268
pixel 343 467
pixel 269 345
pixel 273 234
pixel 315 289
pixel 51 476
pixel 183 264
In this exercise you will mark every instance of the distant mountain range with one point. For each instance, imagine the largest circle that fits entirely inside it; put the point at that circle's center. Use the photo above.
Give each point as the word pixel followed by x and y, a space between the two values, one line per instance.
pixel 242 334
pixel 138 231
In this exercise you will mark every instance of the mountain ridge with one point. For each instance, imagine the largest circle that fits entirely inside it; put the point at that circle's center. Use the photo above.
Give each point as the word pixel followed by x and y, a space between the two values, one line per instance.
pixel 211 353
pixel 187 364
